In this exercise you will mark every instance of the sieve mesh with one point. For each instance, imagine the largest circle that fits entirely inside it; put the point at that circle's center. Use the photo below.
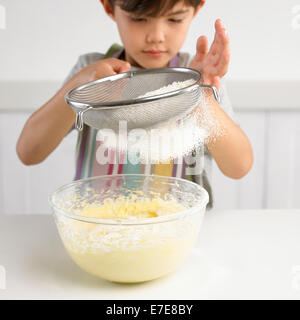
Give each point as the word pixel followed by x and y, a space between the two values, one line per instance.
pixel 105 102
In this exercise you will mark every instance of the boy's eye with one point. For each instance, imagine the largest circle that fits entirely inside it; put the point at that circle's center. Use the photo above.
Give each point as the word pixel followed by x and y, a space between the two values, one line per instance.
pixel 138 19
pixel 175 20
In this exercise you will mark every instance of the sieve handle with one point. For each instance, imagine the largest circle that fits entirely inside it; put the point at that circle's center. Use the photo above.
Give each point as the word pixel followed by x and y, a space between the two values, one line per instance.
pixel 79 118
pixel 214 89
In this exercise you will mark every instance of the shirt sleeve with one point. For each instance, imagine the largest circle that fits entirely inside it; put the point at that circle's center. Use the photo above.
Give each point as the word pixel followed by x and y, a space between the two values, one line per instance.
pixel 83 61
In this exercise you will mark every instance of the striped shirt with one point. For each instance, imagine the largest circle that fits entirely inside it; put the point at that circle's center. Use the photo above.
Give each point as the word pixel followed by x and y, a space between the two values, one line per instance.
pixel 90 152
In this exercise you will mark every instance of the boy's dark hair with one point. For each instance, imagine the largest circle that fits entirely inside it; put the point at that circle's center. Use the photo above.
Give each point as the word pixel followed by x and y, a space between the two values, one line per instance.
pixel 150 7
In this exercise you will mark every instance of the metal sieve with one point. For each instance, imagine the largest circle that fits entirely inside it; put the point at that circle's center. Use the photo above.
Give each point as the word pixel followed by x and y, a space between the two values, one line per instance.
pixel 105 102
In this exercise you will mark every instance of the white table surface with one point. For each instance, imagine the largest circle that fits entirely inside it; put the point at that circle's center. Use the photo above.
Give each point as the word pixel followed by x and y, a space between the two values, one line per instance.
pixel 239 255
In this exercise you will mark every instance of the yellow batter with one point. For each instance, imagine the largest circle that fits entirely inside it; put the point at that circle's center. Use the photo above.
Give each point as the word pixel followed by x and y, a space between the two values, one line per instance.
pixel 133 207
pixel 129 253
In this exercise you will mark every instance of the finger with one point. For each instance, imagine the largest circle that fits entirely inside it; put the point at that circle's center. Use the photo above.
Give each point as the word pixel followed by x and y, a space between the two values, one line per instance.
pixel 220 34
pixel 220 47
pixel 213 81
pixel 223 63
pixel 108 67
pixel 218 58
pixel 214 46
pixel 125 67
pixel 219 25
pixel 221 67
pixel 223 38
pixel 223 54
pixel 118 65
pixel 201 48
pixel 216 82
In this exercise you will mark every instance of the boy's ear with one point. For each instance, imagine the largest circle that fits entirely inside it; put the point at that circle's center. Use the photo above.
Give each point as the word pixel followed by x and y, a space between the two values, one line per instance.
pixel 200 5
pixel 108 8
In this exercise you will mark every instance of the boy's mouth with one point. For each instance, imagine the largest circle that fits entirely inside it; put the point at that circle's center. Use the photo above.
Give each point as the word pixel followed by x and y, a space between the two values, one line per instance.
pixel 154 53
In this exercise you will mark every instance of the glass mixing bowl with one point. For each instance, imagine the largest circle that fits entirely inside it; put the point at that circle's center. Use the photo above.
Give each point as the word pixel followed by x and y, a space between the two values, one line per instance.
pixel 129 249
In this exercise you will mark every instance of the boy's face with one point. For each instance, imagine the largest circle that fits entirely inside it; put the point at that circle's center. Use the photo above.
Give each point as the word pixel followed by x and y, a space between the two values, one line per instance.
pixel 151 42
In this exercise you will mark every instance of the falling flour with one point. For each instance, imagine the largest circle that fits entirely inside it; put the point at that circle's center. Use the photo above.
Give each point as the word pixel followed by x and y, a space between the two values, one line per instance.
pixel 173 140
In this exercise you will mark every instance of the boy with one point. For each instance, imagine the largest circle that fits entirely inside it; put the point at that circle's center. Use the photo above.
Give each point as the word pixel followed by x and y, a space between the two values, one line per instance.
pixel 152 33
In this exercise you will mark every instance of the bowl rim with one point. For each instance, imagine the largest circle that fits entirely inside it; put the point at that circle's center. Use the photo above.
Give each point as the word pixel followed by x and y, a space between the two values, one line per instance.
pixel 141 221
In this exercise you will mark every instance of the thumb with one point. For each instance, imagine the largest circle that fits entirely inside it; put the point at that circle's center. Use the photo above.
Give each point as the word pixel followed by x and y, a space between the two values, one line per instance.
pixel 201 48
pixel 125 67
pixel 119 66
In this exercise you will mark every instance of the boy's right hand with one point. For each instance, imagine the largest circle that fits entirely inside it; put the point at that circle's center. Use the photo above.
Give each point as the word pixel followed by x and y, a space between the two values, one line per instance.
pixel 99 69
pixel 38 138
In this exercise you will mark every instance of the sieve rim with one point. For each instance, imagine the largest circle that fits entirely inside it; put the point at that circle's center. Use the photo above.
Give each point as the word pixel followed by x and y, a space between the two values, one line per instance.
pixel 120 103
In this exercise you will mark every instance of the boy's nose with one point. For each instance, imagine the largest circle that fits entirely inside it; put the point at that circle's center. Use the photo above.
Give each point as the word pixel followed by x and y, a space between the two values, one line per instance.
pixel 155 35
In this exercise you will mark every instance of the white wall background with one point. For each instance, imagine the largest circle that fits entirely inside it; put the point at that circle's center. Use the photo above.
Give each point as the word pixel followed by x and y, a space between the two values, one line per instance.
pixel 41 40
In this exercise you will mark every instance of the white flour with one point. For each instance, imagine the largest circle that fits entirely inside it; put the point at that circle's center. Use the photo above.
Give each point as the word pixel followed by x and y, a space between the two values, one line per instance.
pixel 169 141
pixel 176 85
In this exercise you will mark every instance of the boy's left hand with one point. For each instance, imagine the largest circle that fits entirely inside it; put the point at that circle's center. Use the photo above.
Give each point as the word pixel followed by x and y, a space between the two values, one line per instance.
pixel 212 64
